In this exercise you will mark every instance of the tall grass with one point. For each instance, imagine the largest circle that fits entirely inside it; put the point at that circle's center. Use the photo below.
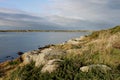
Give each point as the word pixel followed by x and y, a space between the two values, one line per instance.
pixel 101 47
pixel 69 69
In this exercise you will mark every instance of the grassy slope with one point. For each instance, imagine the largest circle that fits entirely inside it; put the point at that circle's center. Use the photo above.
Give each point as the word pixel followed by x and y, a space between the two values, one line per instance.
pixel 101 47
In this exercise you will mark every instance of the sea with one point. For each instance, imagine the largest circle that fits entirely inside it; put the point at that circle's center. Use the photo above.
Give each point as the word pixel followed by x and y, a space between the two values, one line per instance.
pixel 13 42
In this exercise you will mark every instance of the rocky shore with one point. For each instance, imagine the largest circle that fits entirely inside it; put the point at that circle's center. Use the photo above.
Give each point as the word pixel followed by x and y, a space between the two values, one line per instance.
pixel 99 51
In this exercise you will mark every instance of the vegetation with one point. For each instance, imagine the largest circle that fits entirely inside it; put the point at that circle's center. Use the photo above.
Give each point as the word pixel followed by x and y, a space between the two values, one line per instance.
pixel 101 47
pixel 115 29
pixel 69 69
pixel 1 72
pixel 109 32
pixel 14 62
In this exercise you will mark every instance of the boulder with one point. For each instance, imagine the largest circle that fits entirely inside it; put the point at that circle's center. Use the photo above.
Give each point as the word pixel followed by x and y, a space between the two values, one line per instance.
pixel 72 42
pixel 79 39
pixel 51 66
pixel 36 56
pixel 94 66
pixel 76 40
pixel 40 57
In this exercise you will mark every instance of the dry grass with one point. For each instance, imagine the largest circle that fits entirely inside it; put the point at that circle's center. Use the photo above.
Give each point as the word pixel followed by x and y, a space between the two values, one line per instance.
pixel 101 47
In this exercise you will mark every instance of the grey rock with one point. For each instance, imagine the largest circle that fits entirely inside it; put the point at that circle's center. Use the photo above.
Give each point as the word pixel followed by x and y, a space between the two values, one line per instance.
pixel 51 66
pixel 90 67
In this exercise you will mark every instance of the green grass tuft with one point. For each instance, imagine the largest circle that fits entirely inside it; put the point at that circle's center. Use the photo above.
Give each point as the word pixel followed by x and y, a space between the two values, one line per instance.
pixel 69 69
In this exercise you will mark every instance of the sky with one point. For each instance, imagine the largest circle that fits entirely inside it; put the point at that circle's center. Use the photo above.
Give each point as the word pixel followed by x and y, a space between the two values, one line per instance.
pixel 59 14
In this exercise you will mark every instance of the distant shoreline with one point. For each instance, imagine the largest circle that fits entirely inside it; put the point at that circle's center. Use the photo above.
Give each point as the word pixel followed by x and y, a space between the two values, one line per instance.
pixel 46 31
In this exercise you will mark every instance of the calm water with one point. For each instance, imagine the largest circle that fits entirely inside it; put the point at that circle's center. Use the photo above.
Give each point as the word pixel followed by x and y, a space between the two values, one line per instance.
pixel 11 43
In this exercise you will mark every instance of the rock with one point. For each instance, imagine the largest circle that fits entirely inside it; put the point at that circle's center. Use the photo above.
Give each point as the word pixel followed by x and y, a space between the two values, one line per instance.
pixel 7 56
pixel 40 57
pixel 72 42
pixel 34 56
pixel 43 54
pixel 76 40
pixel 46 50
pixel 20 53
pixel 79 39
pixel 47 46
pixel 85 68
pixel 90 67
pixel 51 66
pixel 82 37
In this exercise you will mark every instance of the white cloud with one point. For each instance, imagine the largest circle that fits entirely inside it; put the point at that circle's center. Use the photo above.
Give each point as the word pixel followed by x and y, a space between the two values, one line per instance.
pixel 17 19
pixel 12 11
pixel 83 14
pixel 97 11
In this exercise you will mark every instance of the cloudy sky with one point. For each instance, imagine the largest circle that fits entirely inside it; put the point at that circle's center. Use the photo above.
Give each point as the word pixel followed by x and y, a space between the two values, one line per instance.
pixel 59 14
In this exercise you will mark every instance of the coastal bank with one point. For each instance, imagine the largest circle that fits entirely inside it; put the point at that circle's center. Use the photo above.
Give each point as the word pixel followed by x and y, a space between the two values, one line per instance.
pixel 95 56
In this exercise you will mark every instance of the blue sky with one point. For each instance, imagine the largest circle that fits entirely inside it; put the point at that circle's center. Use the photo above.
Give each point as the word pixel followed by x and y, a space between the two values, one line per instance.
pixel 33 6
pixel 64 14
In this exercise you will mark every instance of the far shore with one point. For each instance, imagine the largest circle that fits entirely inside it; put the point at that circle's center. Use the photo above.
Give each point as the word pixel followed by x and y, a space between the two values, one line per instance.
pixel 46 31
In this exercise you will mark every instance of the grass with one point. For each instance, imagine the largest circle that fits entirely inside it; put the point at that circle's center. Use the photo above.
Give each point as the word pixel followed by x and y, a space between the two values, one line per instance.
pixel 97 34
pixel 1 72
pixel 101 47
pixel 28 72
pixel 14 62
pixel 69 69
pixel 115 29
